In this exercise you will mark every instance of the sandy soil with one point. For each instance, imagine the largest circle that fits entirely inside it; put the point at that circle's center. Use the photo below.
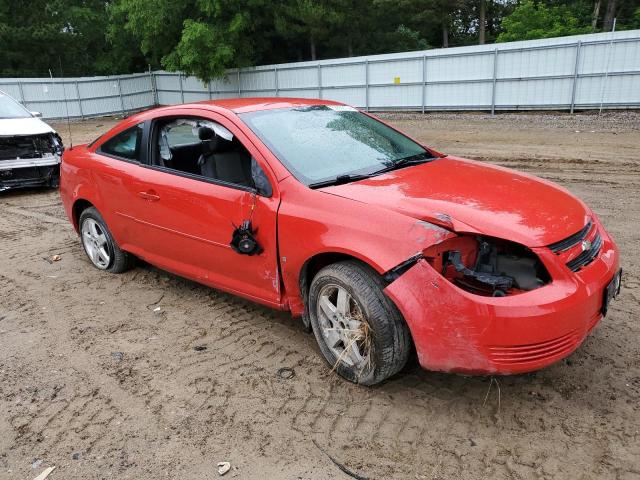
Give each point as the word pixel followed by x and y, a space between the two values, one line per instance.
pixel 98 383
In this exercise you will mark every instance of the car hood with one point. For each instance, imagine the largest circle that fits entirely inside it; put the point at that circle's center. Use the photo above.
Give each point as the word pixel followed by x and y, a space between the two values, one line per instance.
pixel 23 126
pixel 469 196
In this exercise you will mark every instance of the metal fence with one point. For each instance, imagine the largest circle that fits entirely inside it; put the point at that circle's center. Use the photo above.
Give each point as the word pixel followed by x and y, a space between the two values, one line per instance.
pixel 578 72
pixel 83 96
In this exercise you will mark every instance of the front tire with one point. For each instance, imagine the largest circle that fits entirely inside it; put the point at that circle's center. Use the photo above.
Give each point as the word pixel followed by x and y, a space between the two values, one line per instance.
pixel 99 245
pixel 359 330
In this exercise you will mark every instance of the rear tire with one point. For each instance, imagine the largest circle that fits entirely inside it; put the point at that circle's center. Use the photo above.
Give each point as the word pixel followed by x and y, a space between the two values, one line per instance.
pixel 359 330
pixel 99 245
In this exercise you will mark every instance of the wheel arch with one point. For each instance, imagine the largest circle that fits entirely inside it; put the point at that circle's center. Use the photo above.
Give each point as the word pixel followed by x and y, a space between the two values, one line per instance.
pixel 79 206
pixel 320 260
pixel 311 266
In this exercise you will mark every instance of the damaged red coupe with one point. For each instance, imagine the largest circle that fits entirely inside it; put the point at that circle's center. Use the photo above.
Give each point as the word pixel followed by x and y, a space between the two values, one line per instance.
pixel 379 243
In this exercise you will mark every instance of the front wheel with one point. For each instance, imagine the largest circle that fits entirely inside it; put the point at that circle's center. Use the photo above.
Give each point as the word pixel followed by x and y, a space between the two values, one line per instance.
pixel 359 330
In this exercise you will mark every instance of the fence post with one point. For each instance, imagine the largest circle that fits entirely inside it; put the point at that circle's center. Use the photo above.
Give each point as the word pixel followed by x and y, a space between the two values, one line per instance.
pixel 79 100
pixel 209 89
pixel 495 77
pixel 575 76
pixel 21 92
pixel 275 77
pixel 119 93
pixel 154 90
pixel 424 82
pixel 606 72
pixel 181 89
pixel 319 81
pixel 366 83
pixel 239 85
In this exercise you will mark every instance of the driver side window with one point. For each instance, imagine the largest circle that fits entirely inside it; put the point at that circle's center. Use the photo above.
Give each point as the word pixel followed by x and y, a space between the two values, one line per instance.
pixel 204 149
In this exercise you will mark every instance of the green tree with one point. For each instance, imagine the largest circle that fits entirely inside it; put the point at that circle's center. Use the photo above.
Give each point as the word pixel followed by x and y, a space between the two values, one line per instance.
pixel 36 35
pixel 198 37
pixel 312 21
pixel 635 21
pixel 156 25
pixel 530 21
pixel 479 21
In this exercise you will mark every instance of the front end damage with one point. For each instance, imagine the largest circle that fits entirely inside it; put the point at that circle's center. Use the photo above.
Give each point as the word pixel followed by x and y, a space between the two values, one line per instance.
pixel 30 160
pixel 481 305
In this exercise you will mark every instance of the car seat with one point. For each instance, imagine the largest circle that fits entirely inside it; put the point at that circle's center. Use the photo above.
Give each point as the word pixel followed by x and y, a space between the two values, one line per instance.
pixel 224 160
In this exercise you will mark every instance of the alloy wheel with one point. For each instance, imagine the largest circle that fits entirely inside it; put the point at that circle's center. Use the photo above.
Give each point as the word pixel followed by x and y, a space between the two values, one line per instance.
pixel 96 243
pixel 343 326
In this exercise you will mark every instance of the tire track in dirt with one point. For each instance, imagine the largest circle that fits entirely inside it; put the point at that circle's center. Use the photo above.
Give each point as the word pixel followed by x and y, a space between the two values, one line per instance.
pixel 323 413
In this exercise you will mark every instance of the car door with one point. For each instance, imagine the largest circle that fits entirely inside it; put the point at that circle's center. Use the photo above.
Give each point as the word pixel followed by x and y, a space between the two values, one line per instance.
pixel 188 220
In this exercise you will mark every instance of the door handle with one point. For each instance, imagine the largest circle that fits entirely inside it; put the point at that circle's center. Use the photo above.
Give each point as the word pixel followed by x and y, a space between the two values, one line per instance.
pixel 150 195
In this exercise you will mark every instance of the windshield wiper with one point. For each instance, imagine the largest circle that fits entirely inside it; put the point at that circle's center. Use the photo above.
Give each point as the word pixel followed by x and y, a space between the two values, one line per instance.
pixel 401 162
pixel 339 180
pixel 406 161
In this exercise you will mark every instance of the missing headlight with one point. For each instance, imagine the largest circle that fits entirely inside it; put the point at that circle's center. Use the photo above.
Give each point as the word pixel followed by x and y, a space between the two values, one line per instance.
pixel 488 266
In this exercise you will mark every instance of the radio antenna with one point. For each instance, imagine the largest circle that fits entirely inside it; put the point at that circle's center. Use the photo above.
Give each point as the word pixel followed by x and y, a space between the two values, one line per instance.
pixel 66 103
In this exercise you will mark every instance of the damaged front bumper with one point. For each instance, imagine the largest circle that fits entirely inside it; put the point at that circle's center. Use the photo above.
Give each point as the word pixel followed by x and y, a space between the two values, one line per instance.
pixel 458 331
pixel 31 174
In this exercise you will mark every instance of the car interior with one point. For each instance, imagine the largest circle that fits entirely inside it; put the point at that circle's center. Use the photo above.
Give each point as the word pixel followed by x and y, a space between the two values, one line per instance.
pixel 197 149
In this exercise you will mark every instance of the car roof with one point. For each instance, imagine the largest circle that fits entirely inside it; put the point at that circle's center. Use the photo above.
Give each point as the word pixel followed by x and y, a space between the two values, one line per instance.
pixel 236 105
pixel 233 105
pixel 241 105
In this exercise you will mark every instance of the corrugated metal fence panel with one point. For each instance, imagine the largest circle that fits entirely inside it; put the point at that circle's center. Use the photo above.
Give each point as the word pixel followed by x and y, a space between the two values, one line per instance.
pixel 582 71
pixel 619 63
pixel 12 89
pixel 256 80
pixel 460 67
pixel 137 92
pixel 82 97
pixel 300 78
pixel 100 96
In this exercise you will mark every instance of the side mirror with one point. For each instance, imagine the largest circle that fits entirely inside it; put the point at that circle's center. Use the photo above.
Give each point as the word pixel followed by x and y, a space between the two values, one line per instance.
pixel 36 114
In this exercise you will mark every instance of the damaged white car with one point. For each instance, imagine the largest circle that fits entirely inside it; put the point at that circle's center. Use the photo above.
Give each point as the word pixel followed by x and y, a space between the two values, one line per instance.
pixel 30 150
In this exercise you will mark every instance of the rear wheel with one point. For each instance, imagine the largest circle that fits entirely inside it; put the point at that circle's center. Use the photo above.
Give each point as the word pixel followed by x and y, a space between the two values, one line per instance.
pixel 100 246
pixel 359 330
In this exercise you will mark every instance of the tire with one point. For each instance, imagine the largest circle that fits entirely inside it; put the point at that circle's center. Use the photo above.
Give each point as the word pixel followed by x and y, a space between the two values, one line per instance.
pixel 385 338
pixel 110 257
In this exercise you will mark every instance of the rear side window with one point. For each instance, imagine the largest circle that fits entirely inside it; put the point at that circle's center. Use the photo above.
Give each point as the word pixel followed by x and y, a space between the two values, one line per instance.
pixel 125 145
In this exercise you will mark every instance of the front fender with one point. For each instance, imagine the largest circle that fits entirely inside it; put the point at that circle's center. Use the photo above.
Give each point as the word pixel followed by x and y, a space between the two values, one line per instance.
pixel 311 222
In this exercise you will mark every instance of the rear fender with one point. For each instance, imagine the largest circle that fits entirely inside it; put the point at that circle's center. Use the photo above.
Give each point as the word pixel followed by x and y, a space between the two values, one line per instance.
pixel 86 193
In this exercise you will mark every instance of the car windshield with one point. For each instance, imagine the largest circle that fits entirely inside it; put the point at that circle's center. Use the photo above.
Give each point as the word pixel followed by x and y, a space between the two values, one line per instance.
pixel 323 142
pixel 9 108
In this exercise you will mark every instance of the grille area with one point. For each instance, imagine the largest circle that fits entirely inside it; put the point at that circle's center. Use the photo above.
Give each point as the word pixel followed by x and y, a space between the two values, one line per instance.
pixel 587 256
pixel 518 354
pixel 571 240
pixel 580 249
pixel 28 146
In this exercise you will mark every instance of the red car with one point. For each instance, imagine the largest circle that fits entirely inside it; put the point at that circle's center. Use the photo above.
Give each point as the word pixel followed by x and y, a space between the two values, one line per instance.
pixel 380 244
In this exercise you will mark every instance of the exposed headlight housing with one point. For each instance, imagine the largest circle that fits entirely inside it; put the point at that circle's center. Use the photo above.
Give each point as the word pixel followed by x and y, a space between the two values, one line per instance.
pixel 487 266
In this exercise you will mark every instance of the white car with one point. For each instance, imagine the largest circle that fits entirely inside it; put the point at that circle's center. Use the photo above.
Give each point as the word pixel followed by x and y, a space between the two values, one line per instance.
pixel 30 150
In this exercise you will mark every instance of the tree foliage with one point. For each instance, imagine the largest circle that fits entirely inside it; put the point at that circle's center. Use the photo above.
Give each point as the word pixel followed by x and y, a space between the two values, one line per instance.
pixel 530 21
pixel 205 37
pixel 34 35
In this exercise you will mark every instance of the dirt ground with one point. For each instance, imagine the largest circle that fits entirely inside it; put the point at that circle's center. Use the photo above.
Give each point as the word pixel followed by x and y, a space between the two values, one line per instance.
pixel 103 376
